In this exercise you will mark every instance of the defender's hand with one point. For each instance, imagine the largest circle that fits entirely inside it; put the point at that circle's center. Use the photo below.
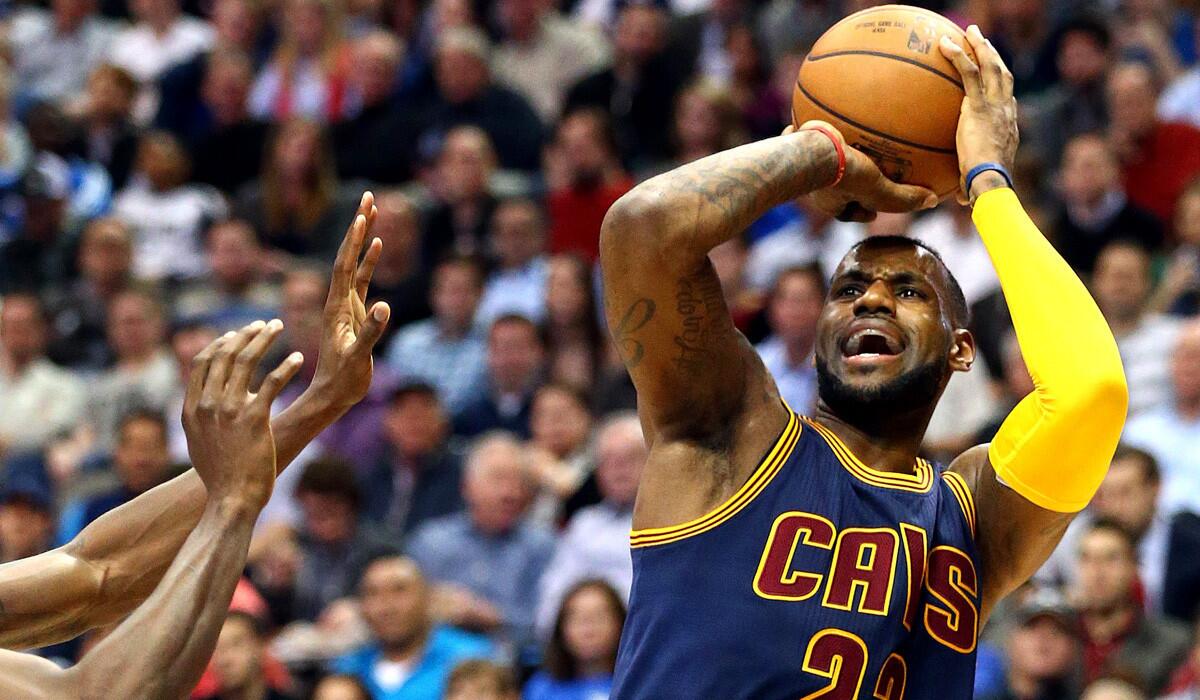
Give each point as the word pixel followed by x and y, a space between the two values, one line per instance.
pixel 344 366
pixel 987 125
pixel 864 190
pixel 228 427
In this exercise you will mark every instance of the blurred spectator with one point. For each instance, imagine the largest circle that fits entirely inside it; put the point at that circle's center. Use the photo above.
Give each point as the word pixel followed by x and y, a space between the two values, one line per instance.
pixel 560 425
pixel 297 206
pixel 110 138
pixel 811 237
pixel 420 474
pixel 1095 211
pixel 591 179
pixel 1180 101
pixel 187 340
pixel 706 120
pixel 378 142
pixel 795 304
pixel 582 651
pixel 400 279
pixel 227 145
pixel 1043 652
pixel 1075 104
pixel 1117 634
pixel 1113 689
pixel 516 355
pixel 464 205
pixel 410 657
pixel 79 311
pixel 1185 682
pixel 761 108
pixel 638 89
pixel 787 25
pixel 575 338
pixel 17 148
pixel 518 282
pixel 595 543
pixel 162 37
pixel 745 305
pixel 1015 385
pixel 1158 159
pixel 238 661
pixel 140 462
pixel 466 95
pixel 41 401
pixel 542 54
pixel 143 374
pixel 237 292
pixel 166 214
pixel 38 246
pixel 1121 285
pixel 54 50
pixel 1171 431
pixel 445 350
pixel 342 687
pixel 335 545
pixel 26 517
pixel 1021 32
pixel 309 74
pixel 478 679
pixel 1179 291
pixel 486 561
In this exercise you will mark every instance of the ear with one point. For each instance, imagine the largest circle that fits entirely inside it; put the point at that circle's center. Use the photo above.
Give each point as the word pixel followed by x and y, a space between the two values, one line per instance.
pixel 962 350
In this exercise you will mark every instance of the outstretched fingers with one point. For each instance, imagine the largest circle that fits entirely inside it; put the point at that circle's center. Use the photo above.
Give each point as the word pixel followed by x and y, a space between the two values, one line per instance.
pixel 222 363
pixel 972 83
pixel 372 328
pixel 349 251
pixel 199 374
pixel 247 360
pixel 362 276
pixel 997 80
pixel 277 380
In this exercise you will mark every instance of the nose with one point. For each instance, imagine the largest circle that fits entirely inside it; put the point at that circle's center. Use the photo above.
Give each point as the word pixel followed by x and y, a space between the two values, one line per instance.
pixel 876 299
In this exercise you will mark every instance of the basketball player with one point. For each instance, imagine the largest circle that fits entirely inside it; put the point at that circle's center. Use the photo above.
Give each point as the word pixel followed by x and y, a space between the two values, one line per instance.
pixel 779 557
pixel 119 560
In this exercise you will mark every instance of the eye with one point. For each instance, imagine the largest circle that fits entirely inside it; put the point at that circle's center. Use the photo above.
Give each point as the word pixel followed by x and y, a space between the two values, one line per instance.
pixel 910 293
pixel 848 291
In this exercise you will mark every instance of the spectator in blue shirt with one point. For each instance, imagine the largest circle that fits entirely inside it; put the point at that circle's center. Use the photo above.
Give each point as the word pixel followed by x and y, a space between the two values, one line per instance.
pixel 409 657
pixel 795 305
pixel 516 355
pixel 582 652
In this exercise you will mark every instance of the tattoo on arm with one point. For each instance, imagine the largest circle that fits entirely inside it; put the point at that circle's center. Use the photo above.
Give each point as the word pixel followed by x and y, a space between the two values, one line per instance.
pixel 698 300
pixel 637 315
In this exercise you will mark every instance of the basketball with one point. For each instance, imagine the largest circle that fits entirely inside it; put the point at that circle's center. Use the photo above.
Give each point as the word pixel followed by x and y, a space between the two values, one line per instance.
pixel 879 77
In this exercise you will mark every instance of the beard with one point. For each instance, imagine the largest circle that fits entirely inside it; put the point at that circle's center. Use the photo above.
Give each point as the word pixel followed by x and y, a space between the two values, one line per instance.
pixel 917 388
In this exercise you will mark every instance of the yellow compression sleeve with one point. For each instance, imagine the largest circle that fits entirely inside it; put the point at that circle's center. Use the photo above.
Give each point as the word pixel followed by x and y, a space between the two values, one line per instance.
pixel 1055 446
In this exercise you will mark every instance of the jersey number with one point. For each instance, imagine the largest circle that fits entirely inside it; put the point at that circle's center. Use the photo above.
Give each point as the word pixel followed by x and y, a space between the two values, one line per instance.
pixel 842 658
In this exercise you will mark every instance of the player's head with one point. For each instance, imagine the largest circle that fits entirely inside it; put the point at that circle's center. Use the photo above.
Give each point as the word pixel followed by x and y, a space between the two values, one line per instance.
pixel 892 330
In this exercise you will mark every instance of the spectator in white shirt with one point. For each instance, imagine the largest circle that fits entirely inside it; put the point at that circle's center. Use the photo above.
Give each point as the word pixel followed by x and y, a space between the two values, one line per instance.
pixel 167 214
pixel 40 401
pixel 54 51
pixel 1121 285
pixel 792 311
pixel 596 541
pixel 162 37
pixel 1180 102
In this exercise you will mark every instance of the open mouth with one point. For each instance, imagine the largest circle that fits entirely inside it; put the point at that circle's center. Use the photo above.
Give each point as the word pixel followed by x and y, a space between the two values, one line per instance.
pixel 871 343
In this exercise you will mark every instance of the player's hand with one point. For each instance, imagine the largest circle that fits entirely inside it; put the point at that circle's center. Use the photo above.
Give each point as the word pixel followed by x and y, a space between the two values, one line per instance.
pixel 228 427
pixel 987 125
pixel 344 366
pixel 864 190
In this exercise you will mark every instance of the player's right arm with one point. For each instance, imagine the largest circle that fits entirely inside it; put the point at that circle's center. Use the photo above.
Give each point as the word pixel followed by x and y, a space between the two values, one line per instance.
pixel 163 647
pixel 709 408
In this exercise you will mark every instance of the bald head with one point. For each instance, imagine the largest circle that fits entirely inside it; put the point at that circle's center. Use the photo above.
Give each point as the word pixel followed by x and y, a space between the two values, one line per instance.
pixel 498 484
pixel 620 457
pixel 1132 93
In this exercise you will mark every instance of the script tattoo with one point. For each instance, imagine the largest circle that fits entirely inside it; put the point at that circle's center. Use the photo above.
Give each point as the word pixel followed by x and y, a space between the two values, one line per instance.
pixel 698 301
pixel 637 315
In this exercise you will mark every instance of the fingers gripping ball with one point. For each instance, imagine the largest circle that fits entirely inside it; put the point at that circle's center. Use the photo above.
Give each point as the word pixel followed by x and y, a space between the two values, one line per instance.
pixel 879 77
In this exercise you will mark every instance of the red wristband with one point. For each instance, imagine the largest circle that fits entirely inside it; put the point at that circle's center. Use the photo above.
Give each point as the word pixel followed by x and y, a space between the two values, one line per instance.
pixel 841 152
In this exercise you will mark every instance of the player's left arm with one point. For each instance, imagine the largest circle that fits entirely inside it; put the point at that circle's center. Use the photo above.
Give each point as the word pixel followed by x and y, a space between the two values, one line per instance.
pixel 116 562
pixel 1054 448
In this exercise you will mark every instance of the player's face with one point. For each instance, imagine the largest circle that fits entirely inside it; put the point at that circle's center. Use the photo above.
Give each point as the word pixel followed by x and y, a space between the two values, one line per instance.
pixel 885 342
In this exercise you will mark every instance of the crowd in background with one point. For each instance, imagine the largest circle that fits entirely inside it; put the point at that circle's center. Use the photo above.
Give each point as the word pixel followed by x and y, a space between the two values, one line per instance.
pixel 172 169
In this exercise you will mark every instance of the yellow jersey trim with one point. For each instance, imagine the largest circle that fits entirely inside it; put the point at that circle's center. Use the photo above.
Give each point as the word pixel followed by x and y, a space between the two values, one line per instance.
pixel 762 476
pixel 920 481
pixel 962 494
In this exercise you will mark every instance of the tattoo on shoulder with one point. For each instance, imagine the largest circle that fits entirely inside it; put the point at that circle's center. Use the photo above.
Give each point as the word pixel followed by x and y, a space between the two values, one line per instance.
pixel 636 316
pixel 698 301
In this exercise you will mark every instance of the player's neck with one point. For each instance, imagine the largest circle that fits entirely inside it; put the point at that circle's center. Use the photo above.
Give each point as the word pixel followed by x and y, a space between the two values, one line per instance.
pixel 891 445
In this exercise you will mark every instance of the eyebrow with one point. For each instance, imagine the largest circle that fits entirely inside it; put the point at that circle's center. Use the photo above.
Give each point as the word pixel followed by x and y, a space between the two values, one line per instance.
pixel 857 275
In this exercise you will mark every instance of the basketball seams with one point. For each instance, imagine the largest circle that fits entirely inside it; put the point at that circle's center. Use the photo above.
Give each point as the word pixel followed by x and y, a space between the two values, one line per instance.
pixel 871 130
pixel 883 54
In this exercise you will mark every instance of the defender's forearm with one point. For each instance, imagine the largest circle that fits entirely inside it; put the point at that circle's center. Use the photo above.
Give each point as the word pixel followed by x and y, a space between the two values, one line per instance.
pixel 116 561
pixel 163 647
pixel 1055 446
pixel 702 204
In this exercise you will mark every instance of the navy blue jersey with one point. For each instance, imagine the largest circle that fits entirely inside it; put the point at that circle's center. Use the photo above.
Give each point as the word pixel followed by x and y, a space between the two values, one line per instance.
pixel 819 578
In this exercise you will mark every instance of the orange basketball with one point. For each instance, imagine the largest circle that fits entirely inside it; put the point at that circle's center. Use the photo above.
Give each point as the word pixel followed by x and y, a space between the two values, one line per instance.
pixel 879 77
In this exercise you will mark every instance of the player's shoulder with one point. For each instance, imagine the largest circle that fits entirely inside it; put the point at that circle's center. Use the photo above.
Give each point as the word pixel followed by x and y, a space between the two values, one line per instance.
pixel 970 464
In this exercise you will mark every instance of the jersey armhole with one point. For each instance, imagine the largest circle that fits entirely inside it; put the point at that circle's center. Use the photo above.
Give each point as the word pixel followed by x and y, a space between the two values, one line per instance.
pixel 962 494
pixel 770 465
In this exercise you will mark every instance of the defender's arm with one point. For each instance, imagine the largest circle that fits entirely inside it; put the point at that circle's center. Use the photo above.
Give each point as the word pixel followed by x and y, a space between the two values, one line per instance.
pixel 1053 450
pixel 709 408
pixel 116 562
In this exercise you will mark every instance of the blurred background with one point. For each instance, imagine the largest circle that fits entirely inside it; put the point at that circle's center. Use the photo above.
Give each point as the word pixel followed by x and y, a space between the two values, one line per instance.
pixel 172 169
